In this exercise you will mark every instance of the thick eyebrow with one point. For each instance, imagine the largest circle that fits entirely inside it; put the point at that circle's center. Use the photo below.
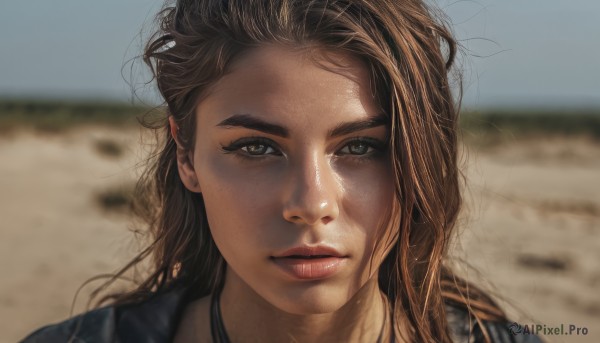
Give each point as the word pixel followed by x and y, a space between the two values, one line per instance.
pixel 250 122
pixel 343 129
pixel 253 123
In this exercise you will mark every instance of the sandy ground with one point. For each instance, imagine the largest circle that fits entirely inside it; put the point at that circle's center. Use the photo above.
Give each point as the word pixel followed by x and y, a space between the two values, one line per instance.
pixel 531 226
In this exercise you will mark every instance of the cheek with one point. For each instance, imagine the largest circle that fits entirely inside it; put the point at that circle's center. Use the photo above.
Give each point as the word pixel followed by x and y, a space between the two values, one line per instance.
pixel 368 204
pixel 238 203
pixel 369 194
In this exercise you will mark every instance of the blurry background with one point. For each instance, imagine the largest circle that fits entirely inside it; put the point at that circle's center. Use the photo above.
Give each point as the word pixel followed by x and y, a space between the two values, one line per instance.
pixel 70 88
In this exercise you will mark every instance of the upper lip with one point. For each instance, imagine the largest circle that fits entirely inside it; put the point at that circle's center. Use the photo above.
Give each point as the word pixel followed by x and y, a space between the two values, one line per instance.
pixel 306 250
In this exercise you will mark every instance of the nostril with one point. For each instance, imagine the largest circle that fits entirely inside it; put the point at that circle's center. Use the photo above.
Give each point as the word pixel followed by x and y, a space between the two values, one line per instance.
pixel 310 207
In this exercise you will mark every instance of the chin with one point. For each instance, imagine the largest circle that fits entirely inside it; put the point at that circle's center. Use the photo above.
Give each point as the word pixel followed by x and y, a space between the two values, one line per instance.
pixel 311 300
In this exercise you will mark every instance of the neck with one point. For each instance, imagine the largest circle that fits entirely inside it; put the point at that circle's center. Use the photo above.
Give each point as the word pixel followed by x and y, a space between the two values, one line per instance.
pixel 248 317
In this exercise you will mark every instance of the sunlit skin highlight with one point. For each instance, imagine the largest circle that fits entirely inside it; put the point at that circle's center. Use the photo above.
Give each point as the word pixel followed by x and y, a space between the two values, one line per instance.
pixel 292 152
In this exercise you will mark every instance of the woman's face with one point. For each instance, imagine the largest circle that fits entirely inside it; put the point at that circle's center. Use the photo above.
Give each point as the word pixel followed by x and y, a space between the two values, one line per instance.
pixel 290 153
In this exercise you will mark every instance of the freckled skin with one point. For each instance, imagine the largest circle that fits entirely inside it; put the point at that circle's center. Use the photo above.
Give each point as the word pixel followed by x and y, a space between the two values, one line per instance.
pixel 306 189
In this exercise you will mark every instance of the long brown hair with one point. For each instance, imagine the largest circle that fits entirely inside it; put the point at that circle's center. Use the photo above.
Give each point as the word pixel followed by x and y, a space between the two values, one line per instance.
pixel 409 50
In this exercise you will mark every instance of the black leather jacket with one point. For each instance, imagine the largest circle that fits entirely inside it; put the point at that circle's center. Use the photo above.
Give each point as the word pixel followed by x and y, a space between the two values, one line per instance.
pixel 156 320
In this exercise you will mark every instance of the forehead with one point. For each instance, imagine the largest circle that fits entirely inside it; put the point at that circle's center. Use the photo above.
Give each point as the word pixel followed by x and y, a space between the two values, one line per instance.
pixel 292 87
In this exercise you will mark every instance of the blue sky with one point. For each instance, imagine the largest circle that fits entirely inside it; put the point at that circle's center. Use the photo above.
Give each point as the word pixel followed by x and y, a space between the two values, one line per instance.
pixel 517 52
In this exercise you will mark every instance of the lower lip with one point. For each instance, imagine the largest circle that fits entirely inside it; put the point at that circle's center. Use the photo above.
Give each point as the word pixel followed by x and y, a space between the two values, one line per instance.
pixel 310 269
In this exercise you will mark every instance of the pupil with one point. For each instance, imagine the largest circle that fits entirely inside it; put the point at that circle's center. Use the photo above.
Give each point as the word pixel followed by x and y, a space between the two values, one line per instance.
pixel 256 149
pixel 358 148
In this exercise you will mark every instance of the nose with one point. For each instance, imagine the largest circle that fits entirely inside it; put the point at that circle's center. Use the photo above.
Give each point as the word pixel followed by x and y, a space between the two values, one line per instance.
pixel 311 193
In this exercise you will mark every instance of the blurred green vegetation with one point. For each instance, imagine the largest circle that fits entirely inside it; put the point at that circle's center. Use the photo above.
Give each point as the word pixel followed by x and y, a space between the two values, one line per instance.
pixel 493 126
pixel 482 126
pixel 109 148
pixel 519 122
pixel 56 116
pixel 118 198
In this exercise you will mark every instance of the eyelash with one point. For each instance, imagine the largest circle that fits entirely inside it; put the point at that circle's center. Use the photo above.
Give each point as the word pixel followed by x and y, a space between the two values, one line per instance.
pixel 235 148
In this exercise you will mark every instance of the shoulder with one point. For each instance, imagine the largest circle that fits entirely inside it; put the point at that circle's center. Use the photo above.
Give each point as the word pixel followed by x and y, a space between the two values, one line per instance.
pixel 464 328
pixel 153 320
pixel 94 326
